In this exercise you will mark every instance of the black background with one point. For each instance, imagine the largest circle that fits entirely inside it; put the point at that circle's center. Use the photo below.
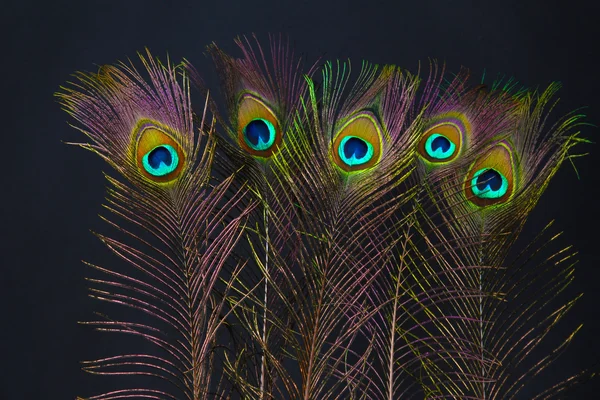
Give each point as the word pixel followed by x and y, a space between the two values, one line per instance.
pixel 52 193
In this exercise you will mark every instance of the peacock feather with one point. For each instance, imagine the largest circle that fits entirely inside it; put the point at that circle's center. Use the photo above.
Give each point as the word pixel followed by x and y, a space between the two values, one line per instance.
pixel 334 235
pixel 492 312
pixel 263 92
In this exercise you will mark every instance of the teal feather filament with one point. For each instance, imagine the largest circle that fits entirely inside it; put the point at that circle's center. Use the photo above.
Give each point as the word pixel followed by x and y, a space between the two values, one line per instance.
pixel 161 160
pixel 355 151
pixel 259 134
pixel 487 183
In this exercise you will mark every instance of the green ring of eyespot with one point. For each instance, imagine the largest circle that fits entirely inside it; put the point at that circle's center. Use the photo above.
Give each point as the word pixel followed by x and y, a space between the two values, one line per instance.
pixel 488 193
pixel 353 161
pixel 439 154
pixel 163 169
pixel 262 146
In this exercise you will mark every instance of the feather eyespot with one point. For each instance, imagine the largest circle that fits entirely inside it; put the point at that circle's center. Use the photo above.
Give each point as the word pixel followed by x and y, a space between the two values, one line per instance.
pixel 355 151
pixel 441 143
pixel 159 157
pixel 357 145
pixel 490 179
pixel 259 134
pixel 259 131
pixel 487 183
pixel 161 160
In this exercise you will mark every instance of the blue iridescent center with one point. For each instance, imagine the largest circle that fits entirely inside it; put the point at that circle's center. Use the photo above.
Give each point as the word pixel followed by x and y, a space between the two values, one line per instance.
pixel 161 160
pixel 439 147
pixel 487 183
pixel 259 134
pixel 355 151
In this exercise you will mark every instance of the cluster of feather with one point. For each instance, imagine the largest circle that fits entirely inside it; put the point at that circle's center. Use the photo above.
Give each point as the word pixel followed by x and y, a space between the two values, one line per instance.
pixel 335 237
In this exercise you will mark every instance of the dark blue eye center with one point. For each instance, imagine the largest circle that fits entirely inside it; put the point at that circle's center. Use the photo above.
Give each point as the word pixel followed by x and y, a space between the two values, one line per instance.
pixel 488 183
pixel 490 178
pixel 439 147
pixel 161 160
pixel 160 155
pixel 355 151
pixel 259 134
pixel 441 142
pixel 355 146
pixel 256 131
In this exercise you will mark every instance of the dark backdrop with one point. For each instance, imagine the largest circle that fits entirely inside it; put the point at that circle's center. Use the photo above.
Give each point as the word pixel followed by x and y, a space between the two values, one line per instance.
pixel 52 192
